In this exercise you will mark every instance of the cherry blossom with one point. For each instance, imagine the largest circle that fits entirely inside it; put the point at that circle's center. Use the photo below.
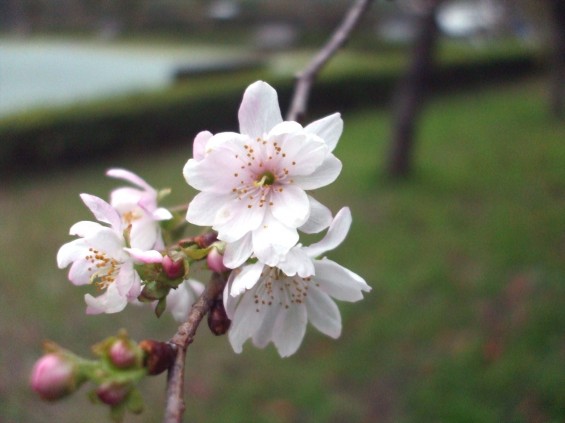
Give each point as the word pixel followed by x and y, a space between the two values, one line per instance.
pixel 101 257
pixel 138 207
pixel 253 184
pixel 181 299
pixel 274 304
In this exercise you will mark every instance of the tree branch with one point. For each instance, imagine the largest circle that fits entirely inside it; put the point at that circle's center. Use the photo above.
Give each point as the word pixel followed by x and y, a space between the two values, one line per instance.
pixel 305 78
pixel 181 340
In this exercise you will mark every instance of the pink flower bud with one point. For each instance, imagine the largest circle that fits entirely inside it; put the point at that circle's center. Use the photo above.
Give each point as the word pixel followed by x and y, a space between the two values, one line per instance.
pixel 53 377
pixel 173 269
pixel 112 393
pixel 122 354
pixel 216 261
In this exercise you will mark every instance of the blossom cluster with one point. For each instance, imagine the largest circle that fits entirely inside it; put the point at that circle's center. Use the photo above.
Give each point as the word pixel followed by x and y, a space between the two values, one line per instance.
pixel 255 197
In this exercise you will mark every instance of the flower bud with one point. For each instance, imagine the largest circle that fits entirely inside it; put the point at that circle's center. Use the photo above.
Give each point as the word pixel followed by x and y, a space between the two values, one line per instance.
pixel 218 320
pixel 173 269
pixel 122 354
pixel 112 393
pixel 159 356
pixel 216 261
pixel 53 377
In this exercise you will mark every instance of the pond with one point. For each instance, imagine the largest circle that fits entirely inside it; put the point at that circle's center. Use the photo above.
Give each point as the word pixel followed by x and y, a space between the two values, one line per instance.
pixel 46 73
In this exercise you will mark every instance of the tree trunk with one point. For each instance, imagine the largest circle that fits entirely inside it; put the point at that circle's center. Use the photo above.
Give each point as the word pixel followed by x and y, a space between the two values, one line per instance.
pixel 410 93
pixel 557 76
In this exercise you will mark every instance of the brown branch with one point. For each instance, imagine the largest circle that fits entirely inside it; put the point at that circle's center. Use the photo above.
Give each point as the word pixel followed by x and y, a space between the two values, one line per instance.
pixel 305 79
pixel 183 338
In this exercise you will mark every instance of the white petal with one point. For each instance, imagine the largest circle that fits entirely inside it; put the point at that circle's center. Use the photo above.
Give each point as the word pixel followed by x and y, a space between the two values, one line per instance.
pixel 180 300
pixel 291 207
pixel 199 145
pixel 297 262
pixel 204 206
pixel 269 316
pixel 245 322
pixel 237 252
pixel 320 217
pixel 246 278
pixel 259 110
pixel 70 252
pixel 236 219
pixel 323 312
pixel 285 128
pixel 80 272
pixel 127 281
pixel 230 303
pixel 289 329
pixel 150 256
pixel 339 282
pixel 109 302
pixel 103 211
pixel 303 153
pixel 109 242
pixel 273 240
pixel 324 175
pixel 125 199
pixel 126 175
pixel 329 129
pixel 336 234
pixel 86 228
pixel 162 214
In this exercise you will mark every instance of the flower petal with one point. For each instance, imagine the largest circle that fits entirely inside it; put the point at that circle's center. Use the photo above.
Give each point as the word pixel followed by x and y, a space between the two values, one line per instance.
pixel 323 312
pixel 70 252
pixel 245 322
pixel 273 240
pixel 297 262
pixel 237 252
pixel 336 234
pixel 199 145
pixel 86 228
pixel 289 329
pixel 161 214
pixel 324 175
pixel 150 256
pixel 126 175
pixel 236 218
pixel 81 272
pixel 290 206
pixel 320 217
pixel 204 206
pixel 259 110
pixel 269 316
pixel 246 278
pixel 339 282
pixel 103 211
pixel 109 302
pixel 329 129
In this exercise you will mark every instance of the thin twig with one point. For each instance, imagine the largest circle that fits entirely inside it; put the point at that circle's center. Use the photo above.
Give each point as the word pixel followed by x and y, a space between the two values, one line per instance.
pixel 305 78
pixel 183 338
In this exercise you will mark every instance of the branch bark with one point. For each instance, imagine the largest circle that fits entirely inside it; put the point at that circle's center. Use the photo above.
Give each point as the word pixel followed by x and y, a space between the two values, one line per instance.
pixel 306 78
pixel 181 340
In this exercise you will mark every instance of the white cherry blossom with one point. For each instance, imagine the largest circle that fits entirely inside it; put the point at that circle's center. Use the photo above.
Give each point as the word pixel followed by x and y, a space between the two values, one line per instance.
pixel 101 257
pixel 274 304
pixel 181 299
pixel 253 184
pixel 138 207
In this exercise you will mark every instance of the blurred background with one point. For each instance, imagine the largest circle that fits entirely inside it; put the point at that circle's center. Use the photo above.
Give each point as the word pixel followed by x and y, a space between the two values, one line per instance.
pixel 454 168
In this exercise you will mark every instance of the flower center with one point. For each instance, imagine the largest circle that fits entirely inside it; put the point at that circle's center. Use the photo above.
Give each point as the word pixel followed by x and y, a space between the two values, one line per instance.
pixel 105 268
pixel 266 178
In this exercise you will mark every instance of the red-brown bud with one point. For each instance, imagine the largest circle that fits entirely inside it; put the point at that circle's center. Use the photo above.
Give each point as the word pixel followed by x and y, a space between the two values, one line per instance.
pixel 159 356
pixel 218 320
pixel 113 393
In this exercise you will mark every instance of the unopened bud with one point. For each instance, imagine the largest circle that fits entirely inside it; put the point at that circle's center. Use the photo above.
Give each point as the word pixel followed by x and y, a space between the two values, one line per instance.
pixel 122 354
pixel 207 239
pixel 218 320
pixel 112 393
pixel 159 356
pixel 216 261
pixel 53 377
pixel 173 269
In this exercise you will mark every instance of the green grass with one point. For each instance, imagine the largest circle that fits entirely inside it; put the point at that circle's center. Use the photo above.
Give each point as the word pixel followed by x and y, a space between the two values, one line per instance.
pixel 466 260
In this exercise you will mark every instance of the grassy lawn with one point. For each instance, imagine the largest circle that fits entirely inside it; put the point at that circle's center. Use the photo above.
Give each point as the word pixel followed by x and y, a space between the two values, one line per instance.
pixel 466 260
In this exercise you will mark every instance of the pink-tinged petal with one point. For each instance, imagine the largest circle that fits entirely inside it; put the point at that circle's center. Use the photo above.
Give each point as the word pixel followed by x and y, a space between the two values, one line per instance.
pixel 290 206
pixel 128 281
pixel 161 214
pixel 70 252
pixel 324 175
pixel 259 110
pixel 125 198
pixel 320 217
pixel 273 240
pixel 246 320
pixel 284 129
pixel 339 282
pixel 109 302
pixel 86 228
pixel 300 153
pixel 289 329
pixel 236 253
pixel 246 278
pixel 323 312
pixel 144 233
pixel 147 257
pixel 199 145
pixel 204 206
pixel 336 234
pixel 296 262
pixel 81 272
pixel 103 211
pixel 329 129
pixel 109 242
pixel 126 175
